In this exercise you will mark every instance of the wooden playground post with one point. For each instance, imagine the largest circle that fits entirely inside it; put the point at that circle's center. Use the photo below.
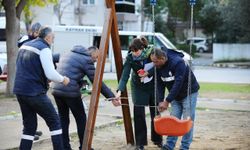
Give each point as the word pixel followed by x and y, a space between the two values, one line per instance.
pixel 110 27
pixel 118 63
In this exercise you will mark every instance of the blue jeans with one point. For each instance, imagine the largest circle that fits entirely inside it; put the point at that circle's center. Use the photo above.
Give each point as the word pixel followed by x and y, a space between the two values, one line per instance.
pixel 41 105
pixel 181 109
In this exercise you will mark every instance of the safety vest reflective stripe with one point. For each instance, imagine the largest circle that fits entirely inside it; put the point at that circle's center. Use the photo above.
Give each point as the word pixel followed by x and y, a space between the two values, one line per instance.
pixel 30 48
pixel 56 132
pixel 27 137
pixel 167 79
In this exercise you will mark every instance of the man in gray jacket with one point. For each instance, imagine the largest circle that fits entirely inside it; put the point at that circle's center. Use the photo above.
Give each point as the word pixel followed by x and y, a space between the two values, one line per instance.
pixel 76 64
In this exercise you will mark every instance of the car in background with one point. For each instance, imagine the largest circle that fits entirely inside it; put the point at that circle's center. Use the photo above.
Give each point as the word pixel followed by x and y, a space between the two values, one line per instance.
pixel 200 43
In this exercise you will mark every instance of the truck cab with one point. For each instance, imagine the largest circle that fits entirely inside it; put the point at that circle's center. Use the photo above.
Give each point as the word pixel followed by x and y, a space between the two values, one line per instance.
pixel 68 36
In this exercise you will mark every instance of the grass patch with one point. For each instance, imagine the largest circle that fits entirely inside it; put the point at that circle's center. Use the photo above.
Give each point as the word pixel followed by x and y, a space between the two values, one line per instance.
pixel 204 87
pixel 113 84
pixel 224 87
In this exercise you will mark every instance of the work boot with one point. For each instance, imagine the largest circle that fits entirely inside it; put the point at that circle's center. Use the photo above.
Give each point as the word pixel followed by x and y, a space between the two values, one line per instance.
pixel 36 137
pixel 158 144
pixel 39 133
pixel 139 147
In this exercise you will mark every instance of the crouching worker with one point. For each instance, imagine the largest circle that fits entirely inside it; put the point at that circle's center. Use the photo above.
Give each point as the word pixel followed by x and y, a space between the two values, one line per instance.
pixel 34 67
pixel 173 74
pixel 76 64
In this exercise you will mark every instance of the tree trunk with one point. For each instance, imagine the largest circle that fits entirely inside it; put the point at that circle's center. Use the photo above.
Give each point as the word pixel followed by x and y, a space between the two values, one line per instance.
pixel 12 33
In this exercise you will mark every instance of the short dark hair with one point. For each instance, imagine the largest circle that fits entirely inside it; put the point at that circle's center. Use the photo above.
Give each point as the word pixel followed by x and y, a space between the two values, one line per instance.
pixel 158 53
pixel 44 31
pixel 138 43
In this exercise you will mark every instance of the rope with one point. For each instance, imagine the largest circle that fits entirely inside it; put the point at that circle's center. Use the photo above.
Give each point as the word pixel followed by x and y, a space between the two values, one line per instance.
pixel 108 99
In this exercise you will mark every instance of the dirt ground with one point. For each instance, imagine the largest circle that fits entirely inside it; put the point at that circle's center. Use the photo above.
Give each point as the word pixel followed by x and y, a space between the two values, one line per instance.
pixel 214 130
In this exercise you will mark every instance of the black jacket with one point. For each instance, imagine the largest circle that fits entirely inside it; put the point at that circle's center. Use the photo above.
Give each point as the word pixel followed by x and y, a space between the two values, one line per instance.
pixel 76 64
pixel 174 75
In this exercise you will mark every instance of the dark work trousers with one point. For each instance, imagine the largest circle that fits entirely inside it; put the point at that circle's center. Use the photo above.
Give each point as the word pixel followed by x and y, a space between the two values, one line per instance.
pixel 141 127
pixel 41 105
pixel 64 104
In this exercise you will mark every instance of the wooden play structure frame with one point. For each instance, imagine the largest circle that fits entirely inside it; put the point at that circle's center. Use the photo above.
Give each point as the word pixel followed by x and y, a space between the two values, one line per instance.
pixel 110 28
pixel 163 125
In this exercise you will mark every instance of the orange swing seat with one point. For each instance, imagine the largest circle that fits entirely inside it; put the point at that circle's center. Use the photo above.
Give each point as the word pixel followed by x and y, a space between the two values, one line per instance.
pixel 172 126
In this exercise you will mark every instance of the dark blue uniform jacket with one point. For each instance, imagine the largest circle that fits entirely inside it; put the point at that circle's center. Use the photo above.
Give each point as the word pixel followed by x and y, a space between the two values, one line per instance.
pixel 174 76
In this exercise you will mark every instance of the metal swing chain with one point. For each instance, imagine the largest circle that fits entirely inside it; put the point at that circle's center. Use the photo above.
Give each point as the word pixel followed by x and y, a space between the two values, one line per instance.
pixel 108 99
pixel 190 61
pixel 155 73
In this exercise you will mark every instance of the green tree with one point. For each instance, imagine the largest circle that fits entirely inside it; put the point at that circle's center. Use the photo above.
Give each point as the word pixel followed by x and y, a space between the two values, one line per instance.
pixel 169 12
pixel 179 11
pixel 13 10
pixel 210 19
pixel 160 9
pixel 235 22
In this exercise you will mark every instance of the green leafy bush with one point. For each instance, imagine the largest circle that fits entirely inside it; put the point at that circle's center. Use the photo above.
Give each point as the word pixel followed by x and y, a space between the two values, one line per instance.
pixel 185 48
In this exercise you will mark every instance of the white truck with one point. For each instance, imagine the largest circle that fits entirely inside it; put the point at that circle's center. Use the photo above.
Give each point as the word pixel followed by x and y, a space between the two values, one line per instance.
pixel 68 36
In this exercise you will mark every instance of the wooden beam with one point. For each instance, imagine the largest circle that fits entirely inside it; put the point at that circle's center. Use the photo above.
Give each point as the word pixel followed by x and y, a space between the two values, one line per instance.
pixel 119 65
pixel 89 130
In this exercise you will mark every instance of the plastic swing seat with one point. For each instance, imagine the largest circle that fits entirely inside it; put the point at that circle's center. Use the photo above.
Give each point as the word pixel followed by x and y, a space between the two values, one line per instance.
pixel 172 126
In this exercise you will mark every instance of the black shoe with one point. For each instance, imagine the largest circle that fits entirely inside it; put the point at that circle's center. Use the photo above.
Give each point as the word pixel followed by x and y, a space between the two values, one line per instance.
pixel 164 147
pixel 158 144
pixel 39 133
pixel 36 137
pixel 140 147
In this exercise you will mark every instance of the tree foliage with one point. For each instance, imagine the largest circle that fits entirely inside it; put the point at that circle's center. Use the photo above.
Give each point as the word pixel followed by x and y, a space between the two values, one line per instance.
pixel 159 9
pixel 176 10
pixel 210 19
pixel 235 22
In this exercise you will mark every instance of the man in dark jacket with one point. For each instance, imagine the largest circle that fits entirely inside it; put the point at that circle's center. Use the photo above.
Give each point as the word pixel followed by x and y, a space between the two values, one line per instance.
pixel 75 64
pixel 34 67
pixel 33 34
pixel 173 73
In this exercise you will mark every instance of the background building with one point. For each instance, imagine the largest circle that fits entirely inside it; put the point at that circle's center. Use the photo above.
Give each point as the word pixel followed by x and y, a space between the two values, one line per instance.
pixel 89 13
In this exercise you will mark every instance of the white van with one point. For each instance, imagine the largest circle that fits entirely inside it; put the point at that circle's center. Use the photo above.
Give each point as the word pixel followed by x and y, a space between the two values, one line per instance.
pixel 68 36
